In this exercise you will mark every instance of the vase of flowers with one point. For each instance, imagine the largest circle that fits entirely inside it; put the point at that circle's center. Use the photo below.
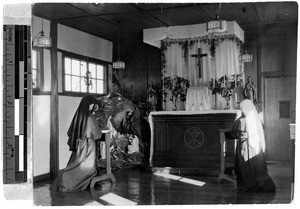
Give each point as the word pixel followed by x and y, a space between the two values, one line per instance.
pixel 225 87
pixel 174 88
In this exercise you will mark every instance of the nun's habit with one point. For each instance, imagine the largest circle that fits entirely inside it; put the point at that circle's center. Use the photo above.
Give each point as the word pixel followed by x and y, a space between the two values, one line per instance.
pixel 82 133
pixel 250 166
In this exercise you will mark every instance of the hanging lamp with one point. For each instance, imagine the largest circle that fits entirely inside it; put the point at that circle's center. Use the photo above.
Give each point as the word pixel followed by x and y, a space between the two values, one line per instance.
pixel 245 55
pixel 40 40
pixel 217 25
pixel 119 64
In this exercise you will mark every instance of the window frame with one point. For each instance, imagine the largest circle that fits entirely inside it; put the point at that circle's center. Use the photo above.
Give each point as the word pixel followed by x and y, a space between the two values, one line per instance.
pixel 40 67
pixel 87 60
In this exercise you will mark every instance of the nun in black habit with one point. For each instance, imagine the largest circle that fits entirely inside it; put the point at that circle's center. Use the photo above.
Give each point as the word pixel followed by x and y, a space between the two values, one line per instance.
pixel 82 133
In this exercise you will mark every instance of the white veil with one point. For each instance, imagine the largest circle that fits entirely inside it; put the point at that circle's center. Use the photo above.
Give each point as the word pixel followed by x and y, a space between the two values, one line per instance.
pixel 256 138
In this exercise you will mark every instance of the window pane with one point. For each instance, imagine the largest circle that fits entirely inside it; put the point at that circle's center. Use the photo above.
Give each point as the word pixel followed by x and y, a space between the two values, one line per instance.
pixel 75 83
pixel 83 85
pixel 100 85
pixel 75 67
pixel 68 83
pixel 92 69
pixel 34 78
pixel 67 65
pixel 100 72
pixel 34 59
pixel 92 87
pixel 104 86
pixel 83 68
pixel 76 73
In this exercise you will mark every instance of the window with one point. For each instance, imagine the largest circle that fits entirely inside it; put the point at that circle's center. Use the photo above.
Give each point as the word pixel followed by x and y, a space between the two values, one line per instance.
pixel 84 76
pixel 284 109
pixel 36 69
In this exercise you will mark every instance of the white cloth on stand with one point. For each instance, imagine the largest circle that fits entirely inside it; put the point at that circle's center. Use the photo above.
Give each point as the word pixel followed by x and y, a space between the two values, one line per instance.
pixel 198 98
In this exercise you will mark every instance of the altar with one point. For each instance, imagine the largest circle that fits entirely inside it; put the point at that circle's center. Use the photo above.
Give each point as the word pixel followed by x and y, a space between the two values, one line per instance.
pixel 201 69
pixel 188 139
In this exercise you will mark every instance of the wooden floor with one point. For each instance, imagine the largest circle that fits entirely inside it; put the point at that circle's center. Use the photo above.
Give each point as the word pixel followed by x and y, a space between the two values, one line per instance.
pixel 143 188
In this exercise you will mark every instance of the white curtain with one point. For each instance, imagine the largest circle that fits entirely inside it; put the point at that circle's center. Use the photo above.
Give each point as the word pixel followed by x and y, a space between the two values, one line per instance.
pixel 175 61
pixel 225 62
pixel 186 67
pixel 227 58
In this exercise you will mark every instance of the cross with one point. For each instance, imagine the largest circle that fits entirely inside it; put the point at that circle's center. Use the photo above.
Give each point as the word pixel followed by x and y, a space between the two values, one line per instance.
pixel 199 56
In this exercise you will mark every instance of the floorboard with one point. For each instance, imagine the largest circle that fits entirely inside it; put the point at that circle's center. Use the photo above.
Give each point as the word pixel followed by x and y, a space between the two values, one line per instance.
pixel 135 186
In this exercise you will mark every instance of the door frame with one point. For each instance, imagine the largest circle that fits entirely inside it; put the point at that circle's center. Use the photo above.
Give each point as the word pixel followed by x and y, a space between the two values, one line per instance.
pixel 273 74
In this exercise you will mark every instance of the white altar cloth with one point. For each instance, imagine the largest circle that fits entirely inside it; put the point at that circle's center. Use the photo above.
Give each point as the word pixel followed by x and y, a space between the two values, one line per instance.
pixel 198 98
pixel 237 112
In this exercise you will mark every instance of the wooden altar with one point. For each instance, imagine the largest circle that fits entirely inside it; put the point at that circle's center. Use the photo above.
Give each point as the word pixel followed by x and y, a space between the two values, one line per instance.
pixel 188 139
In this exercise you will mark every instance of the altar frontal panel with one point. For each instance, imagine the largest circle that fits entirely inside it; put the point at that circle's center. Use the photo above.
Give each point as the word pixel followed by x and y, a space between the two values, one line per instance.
pixel 189 141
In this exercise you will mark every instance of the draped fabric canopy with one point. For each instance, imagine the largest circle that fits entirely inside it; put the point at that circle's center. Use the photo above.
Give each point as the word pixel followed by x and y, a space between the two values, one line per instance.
pixel 181 44
pixel 154 36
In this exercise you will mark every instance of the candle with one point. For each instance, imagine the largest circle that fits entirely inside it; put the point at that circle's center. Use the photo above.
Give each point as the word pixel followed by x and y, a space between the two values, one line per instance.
pixel 234 80
pixel 235 97
pixel 224 81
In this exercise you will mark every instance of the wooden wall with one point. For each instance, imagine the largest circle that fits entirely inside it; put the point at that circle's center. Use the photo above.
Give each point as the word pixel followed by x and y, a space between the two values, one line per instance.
pixel 274 67
pixel 274 48
pixel 142 63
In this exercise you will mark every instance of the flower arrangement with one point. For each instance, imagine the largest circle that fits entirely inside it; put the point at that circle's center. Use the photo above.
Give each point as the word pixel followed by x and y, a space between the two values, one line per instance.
pixel 176 87
pixel 225 85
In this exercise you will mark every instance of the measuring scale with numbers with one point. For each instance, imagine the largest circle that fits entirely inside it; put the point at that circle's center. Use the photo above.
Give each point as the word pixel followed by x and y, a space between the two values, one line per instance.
pixel 17 97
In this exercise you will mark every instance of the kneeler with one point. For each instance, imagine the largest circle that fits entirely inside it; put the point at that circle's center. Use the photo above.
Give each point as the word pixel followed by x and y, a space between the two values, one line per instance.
pixel 108 175
pixel 226 137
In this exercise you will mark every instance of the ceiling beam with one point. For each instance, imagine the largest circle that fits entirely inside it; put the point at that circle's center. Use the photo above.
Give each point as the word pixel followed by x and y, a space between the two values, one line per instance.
pixel 71 18
pixel 99 19
pixel 257 13
pixel 204 12
pixel 173 6
pixel 148 13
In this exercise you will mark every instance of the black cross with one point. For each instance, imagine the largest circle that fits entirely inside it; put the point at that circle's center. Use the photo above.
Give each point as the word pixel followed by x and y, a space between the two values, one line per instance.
pixel 199 56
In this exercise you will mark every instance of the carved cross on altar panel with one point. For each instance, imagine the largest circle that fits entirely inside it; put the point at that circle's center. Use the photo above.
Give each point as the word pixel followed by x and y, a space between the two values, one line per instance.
pixel 199 64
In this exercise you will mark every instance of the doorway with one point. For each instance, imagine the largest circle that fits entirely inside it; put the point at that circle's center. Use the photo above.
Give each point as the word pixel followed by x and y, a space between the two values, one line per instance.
pixel 279 112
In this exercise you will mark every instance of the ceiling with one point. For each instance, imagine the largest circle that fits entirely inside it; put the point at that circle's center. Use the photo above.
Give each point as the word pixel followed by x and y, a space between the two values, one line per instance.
pixel 107 20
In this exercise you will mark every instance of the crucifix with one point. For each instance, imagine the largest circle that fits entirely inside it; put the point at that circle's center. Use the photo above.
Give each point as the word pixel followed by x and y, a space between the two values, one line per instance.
pixel 199 56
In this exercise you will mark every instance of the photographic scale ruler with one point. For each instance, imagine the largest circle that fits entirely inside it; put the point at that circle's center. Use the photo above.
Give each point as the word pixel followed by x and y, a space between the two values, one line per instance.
pixel 17 106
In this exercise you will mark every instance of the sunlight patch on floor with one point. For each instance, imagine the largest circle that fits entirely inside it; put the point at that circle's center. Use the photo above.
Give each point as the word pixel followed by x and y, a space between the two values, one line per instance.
pixel 182 179
pixel 92 203
pixel 116 199
pixel 192 181
pixel 169 176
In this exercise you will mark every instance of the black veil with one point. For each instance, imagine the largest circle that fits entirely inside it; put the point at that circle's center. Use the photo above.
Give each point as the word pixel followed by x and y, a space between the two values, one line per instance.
pixel 79 121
